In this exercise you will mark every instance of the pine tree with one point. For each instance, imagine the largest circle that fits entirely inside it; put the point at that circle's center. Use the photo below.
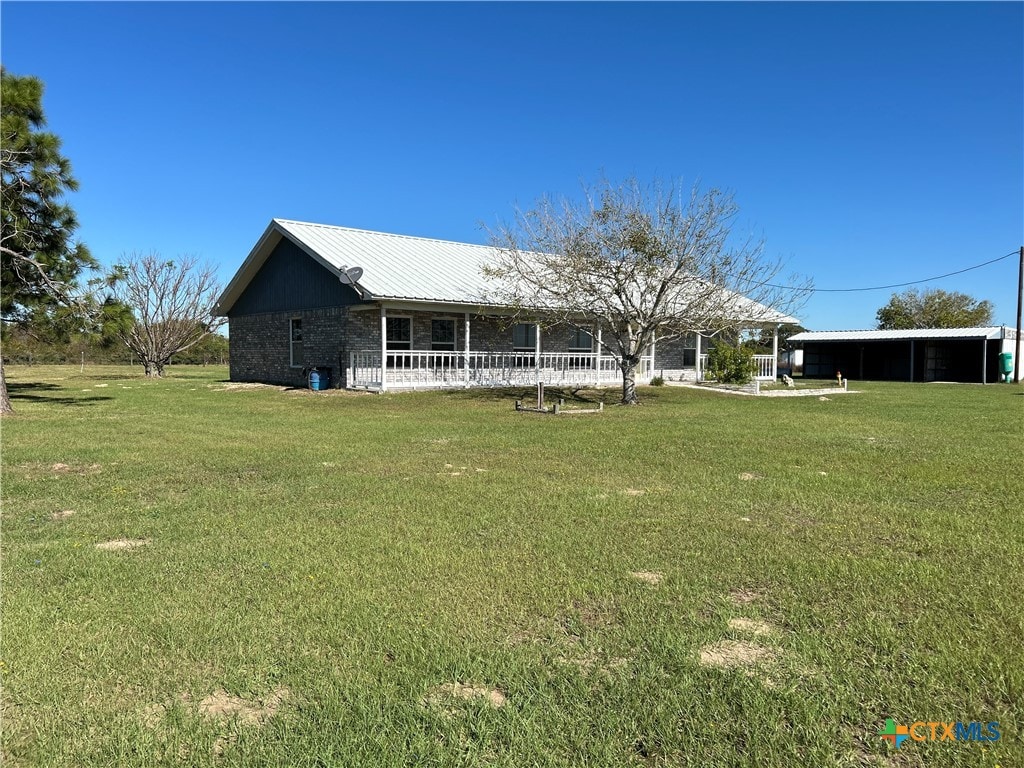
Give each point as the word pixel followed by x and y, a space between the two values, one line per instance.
pixel 40 264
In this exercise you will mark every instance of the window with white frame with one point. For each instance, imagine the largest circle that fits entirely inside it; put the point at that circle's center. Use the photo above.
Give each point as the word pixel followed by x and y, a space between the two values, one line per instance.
pixel 399 333
pixel 296 358
pixel 524 337
pixel 442 334
pixel 581 340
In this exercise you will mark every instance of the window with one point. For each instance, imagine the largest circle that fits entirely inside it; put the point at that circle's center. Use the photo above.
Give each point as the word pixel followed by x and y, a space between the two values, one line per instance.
pixel 296 358
pixel 581 340
pixel 399 333
pixel 524 337
pixel 442 335
pixel 690 350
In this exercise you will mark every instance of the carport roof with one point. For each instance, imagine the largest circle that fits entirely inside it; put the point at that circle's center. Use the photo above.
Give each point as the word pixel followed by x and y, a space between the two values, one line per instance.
pixel 985 332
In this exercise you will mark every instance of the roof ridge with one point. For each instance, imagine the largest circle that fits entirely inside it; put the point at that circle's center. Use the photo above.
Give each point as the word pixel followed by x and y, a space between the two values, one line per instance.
pixel 382 234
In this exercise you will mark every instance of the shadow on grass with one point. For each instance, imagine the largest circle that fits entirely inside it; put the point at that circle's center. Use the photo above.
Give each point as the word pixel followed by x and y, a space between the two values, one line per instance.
pixel 608 396
pixel 526 394
pixel 36 392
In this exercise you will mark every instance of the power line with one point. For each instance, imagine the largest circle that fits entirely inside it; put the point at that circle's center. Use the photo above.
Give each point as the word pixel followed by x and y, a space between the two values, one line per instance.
pixel 894 285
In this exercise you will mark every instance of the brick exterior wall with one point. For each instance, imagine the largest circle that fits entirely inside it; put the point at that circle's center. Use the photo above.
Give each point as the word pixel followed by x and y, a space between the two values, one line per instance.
pixel 669 362
pixel 261 349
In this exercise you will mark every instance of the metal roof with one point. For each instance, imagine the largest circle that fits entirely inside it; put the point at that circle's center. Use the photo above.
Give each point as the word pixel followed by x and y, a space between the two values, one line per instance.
pixel 400 266
pixel 986 332
pixel 405 268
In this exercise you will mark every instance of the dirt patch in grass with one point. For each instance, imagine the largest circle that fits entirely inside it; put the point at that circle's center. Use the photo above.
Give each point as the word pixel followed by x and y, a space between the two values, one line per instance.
pixel 653 578
pixel 60 468
pixel 448 693
pixel 751 626
pixel 153 714
pixel 117 545
pixel 62 514
pixel 744 595
pixel 591 661
pixel 634 492
pixel 450 470
pixel 225 709
pixel 735 654
pixel 234 386
pixel 222 706
pixel 750 476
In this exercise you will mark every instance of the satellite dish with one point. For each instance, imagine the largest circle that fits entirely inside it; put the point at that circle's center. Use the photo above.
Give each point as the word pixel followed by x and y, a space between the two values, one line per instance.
pixel 350 275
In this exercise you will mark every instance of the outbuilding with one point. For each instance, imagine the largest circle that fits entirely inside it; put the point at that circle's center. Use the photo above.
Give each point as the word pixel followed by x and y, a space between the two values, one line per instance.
pixel 922 354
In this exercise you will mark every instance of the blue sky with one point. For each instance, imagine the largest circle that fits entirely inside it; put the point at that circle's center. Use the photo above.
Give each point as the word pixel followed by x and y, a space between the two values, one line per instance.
pixel 869 143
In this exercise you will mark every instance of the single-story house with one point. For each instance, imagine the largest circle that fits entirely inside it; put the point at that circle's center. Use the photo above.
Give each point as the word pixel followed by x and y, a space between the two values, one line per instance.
pixel 923 354
pixel 382 311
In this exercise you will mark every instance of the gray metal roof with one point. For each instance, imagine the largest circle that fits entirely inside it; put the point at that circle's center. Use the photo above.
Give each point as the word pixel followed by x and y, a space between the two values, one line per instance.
pixel 405 268
pixel 985 332
pixel 399 266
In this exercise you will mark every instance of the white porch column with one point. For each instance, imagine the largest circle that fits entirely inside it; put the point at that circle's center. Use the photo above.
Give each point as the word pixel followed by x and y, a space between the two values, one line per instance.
pixel 597 359
pixel 654 344
pixel 775 354
pixel 465 349
pixel 536 349
pixel 383 349
pixel 700 373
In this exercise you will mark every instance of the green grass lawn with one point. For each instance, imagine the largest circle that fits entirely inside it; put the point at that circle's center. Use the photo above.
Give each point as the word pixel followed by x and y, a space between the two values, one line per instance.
pixel 346 579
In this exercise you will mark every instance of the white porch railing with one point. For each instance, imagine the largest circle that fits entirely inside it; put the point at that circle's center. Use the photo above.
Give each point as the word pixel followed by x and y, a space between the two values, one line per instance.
pixel 764 367
pixel 407 369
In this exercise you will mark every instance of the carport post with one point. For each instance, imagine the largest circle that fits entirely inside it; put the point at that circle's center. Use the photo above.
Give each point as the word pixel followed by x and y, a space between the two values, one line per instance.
pixel 1020 298
pixel 911 359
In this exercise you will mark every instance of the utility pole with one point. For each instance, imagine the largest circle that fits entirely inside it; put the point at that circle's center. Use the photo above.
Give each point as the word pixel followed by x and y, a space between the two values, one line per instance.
pixel 1020 298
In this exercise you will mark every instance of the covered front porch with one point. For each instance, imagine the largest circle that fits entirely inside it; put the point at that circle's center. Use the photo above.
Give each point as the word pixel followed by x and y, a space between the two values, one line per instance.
pixel 430 369
pixel 765 367
pixel 432 347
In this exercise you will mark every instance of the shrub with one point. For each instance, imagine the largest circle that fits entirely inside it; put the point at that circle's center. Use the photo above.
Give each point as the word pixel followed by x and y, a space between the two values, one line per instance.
pixel 730 365
pixel 657 381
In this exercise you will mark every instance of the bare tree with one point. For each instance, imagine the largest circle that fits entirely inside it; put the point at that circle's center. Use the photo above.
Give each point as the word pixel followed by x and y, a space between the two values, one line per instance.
pixel 172 305
pixel 642 263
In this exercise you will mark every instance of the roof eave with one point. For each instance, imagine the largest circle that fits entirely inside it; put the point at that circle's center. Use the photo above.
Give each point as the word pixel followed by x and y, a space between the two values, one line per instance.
pixel 257 256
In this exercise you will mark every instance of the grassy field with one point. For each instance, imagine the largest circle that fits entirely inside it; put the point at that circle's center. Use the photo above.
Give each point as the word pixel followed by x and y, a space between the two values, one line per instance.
pixel 339 579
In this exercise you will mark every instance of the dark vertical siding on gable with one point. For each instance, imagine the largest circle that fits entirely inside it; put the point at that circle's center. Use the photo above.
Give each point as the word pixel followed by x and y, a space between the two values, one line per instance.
pixel 291 280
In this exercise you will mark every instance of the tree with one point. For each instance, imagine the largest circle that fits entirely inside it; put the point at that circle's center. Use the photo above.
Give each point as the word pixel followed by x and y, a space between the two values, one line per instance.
pixel 642 263
pixel 933 308
pixel 765 339
pixel 212 350
pixel 40 264
pixel 172 306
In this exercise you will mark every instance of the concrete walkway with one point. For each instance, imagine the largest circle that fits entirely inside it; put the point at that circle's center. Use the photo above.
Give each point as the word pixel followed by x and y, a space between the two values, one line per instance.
pixel 754 390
